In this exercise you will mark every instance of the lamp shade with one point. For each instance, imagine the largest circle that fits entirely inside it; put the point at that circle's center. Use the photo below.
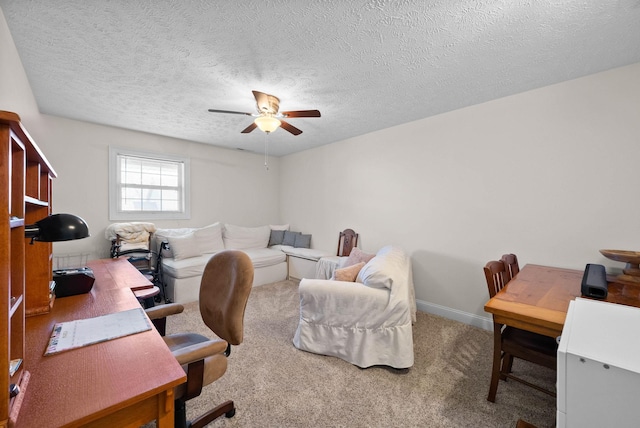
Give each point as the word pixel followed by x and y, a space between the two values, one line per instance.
pixel 57 227
pixel 267 123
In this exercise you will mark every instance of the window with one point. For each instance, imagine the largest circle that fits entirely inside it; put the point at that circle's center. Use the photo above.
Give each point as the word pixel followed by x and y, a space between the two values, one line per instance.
pixel 147 186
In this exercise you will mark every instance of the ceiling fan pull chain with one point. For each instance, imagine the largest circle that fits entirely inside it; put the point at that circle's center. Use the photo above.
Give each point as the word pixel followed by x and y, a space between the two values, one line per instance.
pixel 266 156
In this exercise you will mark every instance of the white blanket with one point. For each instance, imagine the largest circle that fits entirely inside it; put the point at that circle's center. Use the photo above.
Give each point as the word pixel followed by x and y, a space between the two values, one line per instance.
pixel 130 232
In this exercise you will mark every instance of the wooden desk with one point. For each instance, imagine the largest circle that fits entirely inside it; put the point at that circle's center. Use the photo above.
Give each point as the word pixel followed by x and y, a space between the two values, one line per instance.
pixel 125 382
pixel 537 299
pixel 117 273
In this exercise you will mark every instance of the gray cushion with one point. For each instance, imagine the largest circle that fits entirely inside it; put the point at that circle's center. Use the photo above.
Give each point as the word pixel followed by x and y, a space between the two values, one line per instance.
pixel 276 238
pixel 289 238
pixel 302 241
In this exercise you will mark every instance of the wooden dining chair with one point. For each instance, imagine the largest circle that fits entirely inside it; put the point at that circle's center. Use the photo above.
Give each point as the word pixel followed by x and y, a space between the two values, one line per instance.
pixel 511 263
pixel 524 424
pixel 347 239
pixel 510 342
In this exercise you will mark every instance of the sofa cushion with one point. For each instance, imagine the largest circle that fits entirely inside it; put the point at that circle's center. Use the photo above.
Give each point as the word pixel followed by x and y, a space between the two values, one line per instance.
pixel 163 235
pixel 261 257
pixel 209 238
pixel 289 238
pixel 185 268
pixel 194 266
pixel 279 226
pixel 302 241
pixel 357 256
pixel 240 238
pixel 349 273
pixel 276 238
pixel 184 247
pixel 380 270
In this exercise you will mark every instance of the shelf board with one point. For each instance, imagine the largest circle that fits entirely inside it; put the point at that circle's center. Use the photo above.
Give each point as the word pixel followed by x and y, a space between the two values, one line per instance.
pixel 15 303
pixel 16 222
pixel 34 201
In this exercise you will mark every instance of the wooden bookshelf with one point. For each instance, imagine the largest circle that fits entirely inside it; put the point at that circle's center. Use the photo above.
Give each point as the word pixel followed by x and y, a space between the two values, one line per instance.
pixel 25 270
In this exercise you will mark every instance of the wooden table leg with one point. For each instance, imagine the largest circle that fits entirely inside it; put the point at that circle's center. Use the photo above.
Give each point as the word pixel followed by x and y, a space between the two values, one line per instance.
pixel 166 410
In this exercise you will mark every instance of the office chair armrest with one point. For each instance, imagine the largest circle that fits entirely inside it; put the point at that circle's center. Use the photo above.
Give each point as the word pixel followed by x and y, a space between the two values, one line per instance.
pixel 200 351
pixel 162 311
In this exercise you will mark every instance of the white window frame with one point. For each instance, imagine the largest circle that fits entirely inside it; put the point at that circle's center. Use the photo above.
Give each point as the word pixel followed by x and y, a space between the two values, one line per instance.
pixel 115 213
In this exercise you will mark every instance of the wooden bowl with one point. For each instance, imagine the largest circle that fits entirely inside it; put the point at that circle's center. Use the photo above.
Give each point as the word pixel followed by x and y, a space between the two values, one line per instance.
pixel 632 258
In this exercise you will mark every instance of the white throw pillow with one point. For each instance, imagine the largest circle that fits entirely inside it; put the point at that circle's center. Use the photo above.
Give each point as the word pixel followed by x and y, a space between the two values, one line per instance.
pixel 184 247
pixel 163 235
pixel 240 238
pixel 279 226
pixel 210 238
pixel 380 270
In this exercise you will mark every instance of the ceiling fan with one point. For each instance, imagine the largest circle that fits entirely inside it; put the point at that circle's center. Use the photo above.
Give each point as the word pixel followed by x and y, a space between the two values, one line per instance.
pixel 268 118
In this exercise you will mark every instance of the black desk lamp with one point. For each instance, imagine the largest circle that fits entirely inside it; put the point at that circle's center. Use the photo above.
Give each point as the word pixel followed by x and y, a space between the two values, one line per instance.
pixel 63 227
pixel 57 227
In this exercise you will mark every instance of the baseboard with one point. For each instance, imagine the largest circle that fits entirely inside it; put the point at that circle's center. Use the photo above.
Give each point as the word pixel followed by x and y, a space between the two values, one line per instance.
pixel 456 315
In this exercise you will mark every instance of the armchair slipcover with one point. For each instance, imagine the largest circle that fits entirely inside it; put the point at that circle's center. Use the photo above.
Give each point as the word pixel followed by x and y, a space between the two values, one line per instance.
pixel 367 322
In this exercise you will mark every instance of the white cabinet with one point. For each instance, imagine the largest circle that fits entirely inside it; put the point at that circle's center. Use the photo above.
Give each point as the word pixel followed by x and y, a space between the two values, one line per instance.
pixel 599 366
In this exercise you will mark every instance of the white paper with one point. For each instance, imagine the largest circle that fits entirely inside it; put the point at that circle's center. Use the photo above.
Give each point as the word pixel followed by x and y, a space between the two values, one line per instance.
pixel 75 334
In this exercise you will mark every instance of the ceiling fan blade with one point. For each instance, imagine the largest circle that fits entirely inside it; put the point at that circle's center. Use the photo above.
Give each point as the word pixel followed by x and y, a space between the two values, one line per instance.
pixel 262 99
pixel 301 113
pixel 266 103
pixel 288 127
pixel 228 111
pixel 249 128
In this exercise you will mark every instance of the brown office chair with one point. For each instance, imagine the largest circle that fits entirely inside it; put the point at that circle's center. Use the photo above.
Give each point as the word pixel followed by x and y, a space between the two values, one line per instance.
pixel 224 291
pixel 346 241
pixel 510 342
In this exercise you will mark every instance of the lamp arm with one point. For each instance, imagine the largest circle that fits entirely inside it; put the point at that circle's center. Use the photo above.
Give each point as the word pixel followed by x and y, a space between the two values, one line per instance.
pixel 31 231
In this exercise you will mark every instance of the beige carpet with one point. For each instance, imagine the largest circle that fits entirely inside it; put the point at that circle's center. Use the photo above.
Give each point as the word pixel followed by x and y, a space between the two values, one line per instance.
pixel 275 385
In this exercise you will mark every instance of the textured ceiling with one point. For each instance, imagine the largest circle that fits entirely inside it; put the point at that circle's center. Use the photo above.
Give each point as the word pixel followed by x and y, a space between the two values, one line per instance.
pixel 157 66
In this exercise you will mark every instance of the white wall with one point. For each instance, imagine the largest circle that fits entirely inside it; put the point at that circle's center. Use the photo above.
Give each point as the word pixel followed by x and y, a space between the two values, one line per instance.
pixel 550 175
pixel 15 91
pixel 226 185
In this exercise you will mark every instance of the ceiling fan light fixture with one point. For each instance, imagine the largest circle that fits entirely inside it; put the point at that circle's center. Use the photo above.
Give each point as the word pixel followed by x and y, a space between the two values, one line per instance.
pixel 267 124
pixel 267 118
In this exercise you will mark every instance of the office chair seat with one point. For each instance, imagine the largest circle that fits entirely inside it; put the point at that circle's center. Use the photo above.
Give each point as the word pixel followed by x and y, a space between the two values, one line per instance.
pixel 182 345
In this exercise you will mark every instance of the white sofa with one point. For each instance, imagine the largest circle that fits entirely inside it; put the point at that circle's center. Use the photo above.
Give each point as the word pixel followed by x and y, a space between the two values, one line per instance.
pixel 191 248
pixel 367 322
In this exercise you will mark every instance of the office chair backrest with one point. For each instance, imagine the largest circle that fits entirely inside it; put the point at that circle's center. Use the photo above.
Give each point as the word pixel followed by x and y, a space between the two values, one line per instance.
pixel 224 291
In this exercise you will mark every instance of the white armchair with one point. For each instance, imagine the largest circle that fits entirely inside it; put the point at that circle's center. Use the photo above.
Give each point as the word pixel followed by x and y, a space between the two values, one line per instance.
pixel 367 322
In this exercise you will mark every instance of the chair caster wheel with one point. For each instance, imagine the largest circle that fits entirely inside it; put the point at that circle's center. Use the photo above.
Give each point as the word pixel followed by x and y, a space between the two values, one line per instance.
pixel 231 413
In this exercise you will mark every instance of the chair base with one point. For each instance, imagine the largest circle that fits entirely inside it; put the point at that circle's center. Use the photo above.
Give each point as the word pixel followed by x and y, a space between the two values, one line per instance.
pixel 180 421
